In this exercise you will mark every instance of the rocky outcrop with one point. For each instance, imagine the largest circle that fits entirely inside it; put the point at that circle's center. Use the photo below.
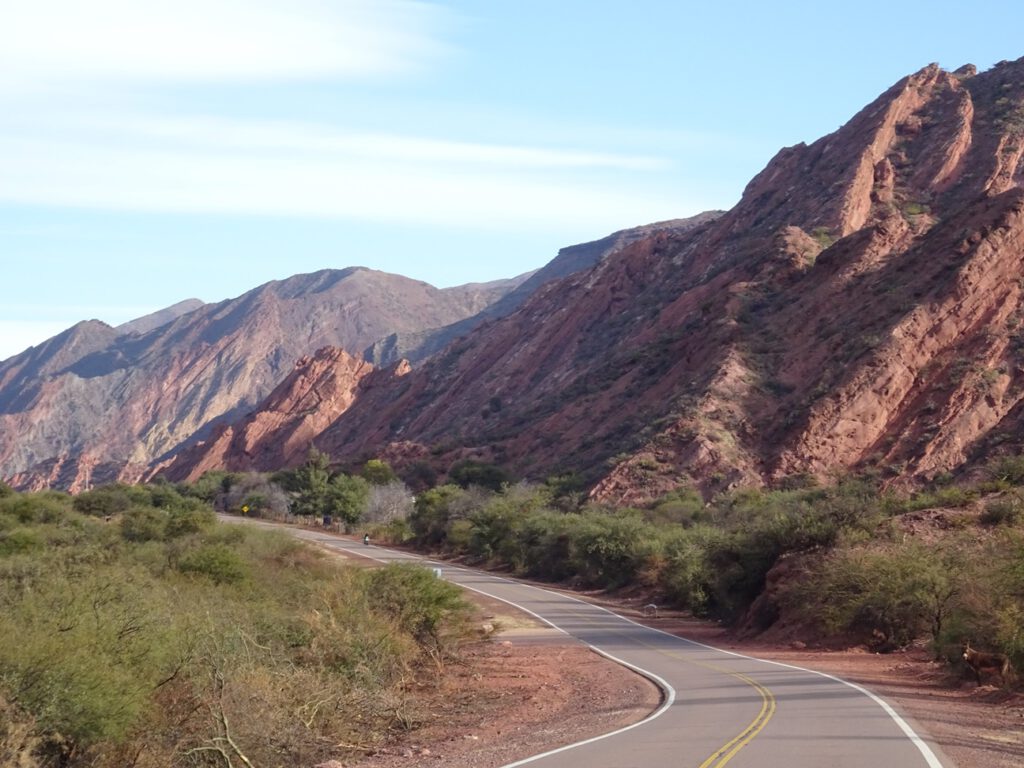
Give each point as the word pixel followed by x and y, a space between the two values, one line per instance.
pixel 280 430
pixel 860 307
pixel 96 404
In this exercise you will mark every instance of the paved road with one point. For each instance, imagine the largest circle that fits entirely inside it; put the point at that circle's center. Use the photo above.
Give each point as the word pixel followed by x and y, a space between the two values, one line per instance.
pixel 719 707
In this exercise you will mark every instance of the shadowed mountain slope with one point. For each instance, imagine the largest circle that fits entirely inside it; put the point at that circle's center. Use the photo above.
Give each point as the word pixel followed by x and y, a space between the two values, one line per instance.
pixel 416 347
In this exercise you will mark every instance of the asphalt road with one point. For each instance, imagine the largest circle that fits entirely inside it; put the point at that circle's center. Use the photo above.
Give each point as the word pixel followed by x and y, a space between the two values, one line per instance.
pixel 720 708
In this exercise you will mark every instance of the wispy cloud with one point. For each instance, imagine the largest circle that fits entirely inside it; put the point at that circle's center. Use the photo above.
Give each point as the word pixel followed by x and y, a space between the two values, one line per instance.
pixel 141 158
pixel 132 162
pixel 48 41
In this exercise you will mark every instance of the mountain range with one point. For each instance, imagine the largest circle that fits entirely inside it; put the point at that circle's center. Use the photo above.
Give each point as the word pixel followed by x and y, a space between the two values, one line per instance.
pixel 859 309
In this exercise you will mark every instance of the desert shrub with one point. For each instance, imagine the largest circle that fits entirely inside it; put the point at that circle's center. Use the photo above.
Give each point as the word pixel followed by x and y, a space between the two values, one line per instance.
pixel 34 507
pixel 432 512
pixel 684 507
pixel 468 472
pixel 140 524
pixel 950 496
pixel 190 516
pixel 1008 469
pixel 609 550
pixel 418 601
pixel 218 562
pixel 254 491
pixel 346 497
pixel 378 472
pixel 5 490
pixel 19 541
pixel 102 502
pixel 902 591
pixel 210 485
pixel 544 545
pixel 388 501
pixel 135 650
pixel 683 572
pixel 1005 510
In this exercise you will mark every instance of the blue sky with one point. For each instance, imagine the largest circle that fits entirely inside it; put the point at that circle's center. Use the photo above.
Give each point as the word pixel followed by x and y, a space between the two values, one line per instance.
pixel 156 150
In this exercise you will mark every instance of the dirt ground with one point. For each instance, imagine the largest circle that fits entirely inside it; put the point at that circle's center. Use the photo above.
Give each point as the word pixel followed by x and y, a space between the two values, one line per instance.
pixel 528 690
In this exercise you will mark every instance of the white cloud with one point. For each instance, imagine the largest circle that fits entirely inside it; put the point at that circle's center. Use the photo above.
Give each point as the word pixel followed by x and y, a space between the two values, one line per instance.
pixel 47 41
pixel 244 167
pixel 140 160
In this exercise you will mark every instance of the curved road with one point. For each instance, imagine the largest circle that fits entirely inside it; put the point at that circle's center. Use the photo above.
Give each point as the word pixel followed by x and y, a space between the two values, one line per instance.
pixel 720 708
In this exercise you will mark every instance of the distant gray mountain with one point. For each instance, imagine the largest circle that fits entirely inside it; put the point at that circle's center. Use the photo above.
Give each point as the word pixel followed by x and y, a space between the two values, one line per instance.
pixel 149 322
pixel 97 403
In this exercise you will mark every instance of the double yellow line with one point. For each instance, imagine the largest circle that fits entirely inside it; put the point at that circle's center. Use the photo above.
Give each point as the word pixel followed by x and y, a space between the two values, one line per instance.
pixel 726 753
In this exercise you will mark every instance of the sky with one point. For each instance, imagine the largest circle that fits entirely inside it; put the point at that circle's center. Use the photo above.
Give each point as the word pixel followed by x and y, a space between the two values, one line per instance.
pixel 158 150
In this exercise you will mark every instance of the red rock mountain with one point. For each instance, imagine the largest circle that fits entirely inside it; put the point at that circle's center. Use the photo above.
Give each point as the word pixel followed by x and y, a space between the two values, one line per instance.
pixel 97 403
pixel 280 430
pixel 416 347
pixel 861 306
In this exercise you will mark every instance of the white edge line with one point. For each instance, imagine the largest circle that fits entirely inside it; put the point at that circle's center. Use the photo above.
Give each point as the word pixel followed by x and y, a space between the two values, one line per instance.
pixel 670 694
pixel 667 690
pixel 922 745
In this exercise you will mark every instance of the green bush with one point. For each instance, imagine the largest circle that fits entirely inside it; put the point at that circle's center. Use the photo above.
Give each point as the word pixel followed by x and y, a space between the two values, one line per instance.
pixel 20 541
pixel 217 562
pixel 1008 469
pixel 189 516
pixel 1005 510
pixel 431 514
pixel 110 657
pixel 903 592
pixel 419 602
pixel 469 472
pixel 34 507
pixel 140 524
pixel 609 550
pixel 102 502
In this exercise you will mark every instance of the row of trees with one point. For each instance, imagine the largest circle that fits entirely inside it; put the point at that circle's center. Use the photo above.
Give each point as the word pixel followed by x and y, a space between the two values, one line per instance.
pixel 845 566
pixel 713 558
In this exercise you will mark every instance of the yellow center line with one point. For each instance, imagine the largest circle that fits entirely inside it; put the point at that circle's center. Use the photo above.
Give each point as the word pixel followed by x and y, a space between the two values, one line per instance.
pixel 728 751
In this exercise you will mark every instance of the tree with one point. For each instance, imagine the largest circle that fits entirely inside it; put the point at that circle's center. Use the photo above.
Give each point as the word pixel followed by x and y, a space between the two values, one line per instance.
pixel 377 472
pixel 388 502
pixel 311 482
pixel 469 472
pixel 346 497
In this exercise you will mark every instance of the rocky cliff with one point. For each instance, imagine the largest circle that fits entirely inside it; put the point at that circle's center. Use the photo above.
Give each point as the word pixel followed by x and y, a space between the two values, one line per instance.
pixel 416 347
pixel 860 307
pixel 96 403
pixel 279 431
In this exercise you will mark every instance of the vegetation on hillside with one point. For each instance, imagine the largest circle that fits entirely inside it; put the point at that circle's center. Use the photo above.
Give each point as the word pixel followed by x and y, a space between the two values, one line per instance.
pixel 137 631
